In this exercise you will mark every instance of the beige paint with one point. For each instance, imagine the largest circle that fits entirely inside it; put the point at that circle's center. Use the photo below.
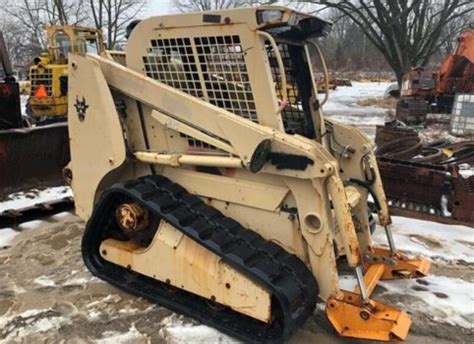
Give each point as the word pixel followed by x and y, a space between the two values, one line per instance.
pixel 181 262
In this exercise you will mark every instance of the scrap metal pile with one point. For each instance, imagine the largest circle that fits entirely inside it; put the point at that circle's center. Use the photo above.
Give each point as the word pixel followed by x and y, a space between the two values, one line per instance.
pixel 426 180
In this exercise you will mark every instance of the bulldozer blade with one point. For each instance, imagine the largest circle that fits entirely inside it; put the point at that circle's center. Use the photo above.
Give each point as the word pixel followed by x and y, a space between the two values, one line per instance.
pixel 15 217
pixel 33 157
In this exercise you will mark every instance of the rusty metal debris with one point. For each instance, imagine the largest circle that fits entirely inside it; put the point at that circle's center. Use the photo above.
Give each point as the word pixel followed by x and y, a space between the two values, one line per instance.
pixel 426 180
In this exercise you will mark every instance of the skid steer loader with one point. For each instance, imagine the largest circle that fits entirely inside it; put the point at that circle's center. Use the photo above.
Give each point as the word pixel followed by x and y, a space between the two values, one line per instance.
pixel 214 193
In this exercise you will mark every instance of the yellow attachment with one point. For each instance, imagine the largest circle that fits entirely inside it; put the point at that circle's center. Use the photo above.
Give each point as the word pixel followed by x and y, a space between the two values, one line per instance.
pixel 372 277
pixel 352 317
pixel 403 267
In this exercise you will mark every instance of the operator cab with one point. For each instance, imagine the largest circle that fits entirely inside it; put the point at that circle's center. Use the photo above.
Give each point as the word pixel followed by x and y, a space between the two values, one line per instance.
pixel 66 39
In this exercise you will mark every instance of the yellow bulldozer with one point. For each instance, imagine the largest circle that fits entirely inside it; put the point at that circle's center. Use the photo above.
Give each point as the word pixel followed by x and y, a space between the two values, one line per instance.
pixel 48 73
pixel 213 193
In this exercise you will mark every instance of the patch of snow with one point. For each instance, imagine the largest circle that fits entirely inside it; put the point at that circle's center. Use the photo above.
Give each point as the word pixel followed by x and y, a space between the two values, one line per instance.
pixel 32 322
pixel 6 236
pixel 108 299
pixel 32 197
pixel 342 105
pixel 197 334
pixel 176 331
pixel 444 206
pixel 31 224
pixel 133 336
pixel 430 239
pixel 44 281
pixel 466 170
pixel 125 311
pixel 347 282
pixel 23 102
pixel 344 98
pixel 448 300
pixel 76 281
pixel 93 315
pixel 64 216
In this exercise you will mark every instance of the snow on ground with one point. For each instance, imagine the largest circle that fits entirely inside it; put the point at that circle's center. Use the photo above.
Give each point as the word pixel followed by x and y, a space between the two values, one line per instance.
pixel 342 105
pixel 446 299
pixel 431 239
pixel 36 321
pixel 6 236
pixel 32 197
pixel 344 98
pixel 133 336
pixel 175 331
pixel 23 101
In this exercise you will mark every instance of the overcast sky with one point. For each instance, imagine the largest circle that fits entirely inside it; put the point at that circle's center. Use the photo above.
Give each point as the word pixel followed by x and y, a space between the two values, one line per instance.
pixel 156 7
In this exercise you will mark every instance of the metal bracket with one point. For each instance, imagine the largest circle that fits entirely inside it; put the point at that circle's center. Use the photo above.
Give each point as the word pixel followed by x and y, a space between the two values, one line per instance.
pixel 375 259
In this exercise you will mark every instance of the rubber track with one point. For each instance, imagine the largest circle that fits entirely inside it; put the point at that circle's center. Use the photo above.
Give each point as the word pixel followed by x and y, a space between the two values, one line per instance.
pixel 292 286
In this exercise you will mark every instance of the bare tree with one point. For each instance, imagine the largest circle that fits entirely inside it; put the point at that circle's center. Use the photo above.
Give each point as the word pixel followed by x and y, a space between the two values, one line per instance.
pixel 207 5
pixel 113 16
pixel 26 20
pixel 409 32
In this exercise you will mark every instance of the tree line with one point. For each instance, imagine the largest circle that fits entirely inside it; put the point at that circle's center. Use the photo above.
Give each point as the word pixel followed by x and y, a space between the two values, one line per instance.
pixel 23 21
pixel 390 35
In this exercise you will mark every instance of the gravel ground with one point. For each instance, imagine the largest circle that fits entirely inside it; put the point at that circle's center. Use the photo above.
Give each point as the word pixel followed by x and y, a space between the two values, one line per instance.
pixel 47 295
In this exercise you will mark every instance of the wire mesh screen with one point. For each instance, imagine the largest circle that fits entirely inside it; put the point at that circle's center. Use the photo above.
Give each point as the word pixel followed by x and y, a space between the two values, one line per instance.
pixel 43 76
pixel 172 62
pixel 225 74
pixel 224 81
pixel 293 116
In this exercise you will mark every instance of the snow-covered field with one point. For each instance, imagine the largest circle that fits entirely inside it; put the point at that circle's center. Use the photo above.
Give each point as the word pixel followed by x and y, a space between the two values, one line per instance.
pixel 342 105
pixel 47 295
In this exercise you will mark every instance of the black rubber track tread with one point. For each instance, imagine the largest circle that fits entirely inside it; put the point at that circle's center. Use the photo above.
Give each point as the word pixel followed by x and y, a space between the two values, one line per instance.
pixel 293 287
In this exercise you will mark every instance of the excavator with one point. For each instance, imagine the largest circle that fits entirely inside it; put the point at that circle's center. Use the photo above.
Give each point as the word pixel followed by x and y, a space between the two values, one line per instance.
pixel 423 91
pixel 210 191
pixel 48 73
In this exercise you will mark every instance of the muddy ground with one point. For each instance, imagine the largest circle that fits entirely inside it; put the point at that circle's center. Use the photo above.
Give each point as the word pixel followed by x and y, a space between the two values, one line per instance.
pixel 47 295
